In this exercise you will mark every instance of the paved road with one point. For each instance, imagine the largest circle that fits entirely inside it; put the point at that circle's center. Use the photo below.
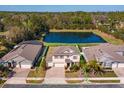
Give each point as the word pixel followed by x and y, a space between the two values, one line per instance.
pixel 64 86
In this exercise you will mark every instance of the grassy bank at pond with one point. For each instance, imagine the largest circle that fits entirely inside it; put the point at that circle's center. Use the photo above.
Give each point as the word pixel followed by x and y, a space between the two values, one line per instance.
pixel 70 30
pixel 106 37
pixel 70 44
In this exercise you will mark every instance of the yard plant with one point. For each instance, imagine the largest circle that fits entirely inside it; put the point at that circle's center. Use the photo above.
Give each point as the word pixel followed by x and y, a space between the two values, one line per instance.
pixel 4 71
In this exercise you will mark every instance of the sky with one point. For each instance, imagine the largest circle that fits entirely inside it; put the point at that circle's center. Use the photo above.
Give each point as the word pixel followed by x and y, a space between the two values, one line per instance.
pixel 61 8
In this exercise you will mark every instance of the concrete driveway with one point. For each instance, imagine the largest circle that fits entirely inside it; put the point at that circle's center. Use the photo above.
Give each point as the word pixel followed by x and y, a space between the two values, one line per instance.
pixel 19 77
pixel 55 72
pixel 119 72
pixel 55 75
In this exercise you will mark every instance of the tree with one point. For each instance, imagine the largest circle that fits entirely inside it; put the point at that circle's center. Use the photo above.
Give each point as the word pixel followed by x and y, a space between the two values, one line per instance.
pixel 92 68
pixel 95 68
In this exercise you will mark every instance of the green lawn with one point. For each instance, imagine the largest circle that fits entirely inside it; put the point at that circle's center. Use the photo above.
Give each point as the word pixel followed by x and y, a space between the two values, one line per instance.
pixel 1 82
pixel 74 81
pixel 70 74
pixel 70 44
pixel 105 81
pixel 38 72
pixel 108 38
pixel 34 81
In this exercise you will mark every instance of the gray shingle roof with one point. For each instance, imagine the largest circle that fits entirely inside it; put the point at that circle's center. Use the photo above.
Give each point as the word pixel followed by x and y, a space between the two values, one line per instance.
pixel 103 50
pixel 60 50
pixel 66 50
pixel 26 50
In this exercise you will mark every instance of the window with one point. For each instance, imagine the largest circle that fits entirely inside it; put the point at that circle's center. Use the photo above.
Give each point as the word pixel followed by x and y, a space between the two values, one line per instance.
pixel 67 56
pixel 74 57
pixel 61 57
pixel 56 57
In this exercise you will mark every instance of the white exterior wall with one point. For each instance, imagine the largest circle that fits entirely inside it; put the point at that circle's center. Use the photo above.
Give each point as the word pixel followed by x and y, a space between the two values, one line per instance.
pixel 22 62
pixel 120 65
pixel 50 64
pixel 59 65
pixel 23 66
pixel 60 62
pixel 58 59
pixel 117 65
pixel 120 53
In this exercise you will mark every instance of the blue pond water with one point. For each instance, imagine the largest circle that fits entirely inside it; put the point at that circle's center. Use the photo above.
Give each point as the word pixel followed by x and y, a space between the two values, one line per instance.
pixel 73 37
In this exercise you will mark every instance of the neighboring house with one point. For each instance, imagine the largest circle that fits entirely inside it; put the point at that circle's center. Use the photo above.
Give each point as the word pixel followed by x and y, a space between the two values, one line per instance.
pixel 24 55
pixel 108 55
pixel 63 56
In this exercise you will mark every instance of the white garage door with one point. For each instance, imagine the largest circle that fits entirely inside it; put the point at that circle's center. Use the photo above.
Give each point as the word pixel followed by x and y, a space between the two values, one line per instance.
pixel 23 66
pixel 121 65
pixel 50 64
pixel 59 65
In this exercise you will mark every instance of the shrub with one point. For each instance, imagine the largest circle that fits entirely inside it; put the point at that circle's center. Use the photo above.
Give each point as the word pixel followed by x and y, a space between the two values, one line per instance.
pixel 82 61
pixel 4 71
pixel 74 68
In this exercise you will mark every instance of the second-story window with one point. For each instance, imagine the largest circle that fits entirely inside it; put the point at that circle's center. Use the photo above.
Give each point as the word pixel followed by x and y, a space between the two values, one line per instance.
pixel 74 57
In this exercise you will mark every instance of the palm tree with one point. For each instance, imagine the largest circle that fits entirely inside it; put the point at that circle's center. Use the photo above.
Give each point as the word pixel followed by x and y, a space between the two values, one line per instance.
pixel 95 68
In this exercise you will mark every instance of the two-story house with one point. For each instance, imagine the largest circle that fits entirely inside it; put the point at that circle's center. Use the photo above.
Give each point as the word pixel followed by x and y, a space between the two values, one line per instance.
pixel 63 56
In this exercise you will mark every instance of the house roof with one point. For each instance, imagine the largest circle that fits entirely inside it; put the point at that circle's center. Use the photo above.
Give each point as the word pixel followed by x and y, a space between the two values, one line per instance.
pixel 66 50
pixel 27 49
pixel 1 60
pixel 107 50
pixel 34 42
pixel 62 50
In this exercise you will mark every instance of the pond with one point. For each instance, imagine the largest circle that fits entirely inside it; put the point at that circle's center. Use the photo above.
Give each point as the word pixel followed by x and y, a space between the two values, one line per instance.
pixel 73 37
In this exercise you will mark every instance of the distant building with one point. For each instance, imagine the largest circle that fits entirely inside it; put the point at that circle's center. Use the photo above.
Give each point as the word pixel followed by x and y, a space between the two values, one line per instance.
pixel 108 55
pixel 24 55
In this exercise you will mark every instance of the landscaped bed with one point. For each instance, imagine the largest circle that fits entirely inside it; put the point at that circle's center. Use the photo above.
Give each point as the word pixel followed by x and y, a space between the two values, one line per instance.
pixel 2 82
pixel 105 74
